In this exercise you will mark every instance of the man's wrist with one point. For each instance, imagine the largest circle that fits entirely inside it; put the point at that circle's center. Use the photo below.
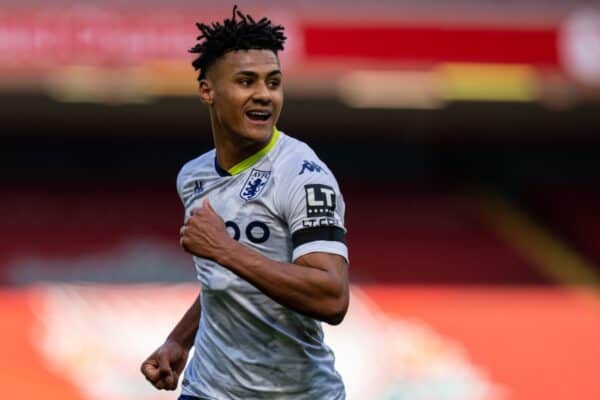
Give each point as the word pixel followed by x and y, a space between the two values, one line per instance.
pixel 226 252
pixel 184 343
pixel 183 336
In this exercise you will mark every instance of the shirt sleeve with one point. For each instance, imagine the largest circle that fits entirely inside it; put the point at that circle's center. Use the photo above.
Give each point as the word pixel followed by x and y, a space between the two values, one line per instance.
pixel 180 182
pixel 313 207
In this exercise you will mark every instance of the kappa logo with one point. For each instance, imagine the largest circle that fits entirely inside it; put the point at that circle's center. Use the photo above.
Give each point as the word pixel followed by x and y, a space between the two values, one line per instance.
pixel 198 188
pixel 311 166
pixel 320 200
pixel 255 184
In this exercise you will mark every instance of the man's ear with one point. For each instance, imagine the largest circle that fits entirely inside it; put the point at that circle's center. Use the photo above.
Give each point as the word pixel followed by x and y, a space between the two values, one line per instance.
pixel 206 91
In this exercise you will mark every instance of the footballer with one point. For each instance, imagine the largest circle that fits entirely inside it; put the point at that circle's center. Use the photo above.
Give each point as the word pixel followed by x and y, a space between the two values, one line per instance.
pixel 264 222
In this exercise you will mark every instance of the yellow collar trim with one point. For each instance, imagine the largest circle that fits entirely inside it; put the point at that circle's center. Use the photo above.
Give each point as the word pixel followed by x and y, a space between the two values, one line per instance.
pixel 250 161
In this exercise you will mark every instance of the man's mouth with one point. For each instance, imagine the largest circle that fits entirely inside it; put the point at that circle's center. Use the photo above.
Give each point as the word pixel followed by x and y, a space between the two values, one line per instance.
pixel 258 116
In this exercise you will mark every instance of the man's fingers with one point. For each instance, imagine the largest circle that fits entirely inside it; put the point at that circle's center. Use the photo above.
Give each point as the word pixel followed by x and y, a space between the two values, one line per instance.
pixel 164 366
pixel 171 382
pixel 158 371
pixel 182 237
pixel 206 204
pixel 168 378
pixel 150 371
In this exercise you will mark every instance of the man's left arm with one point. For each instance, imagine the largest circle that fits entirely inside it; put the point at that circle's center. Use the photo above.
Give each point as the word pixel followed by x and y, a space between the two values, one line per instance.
pixel 315 285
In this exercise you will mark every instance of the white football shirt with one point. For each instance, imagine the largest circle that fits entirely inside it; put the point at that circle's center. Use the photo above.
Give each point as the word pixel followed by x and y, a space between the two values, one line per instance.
pixel 284 203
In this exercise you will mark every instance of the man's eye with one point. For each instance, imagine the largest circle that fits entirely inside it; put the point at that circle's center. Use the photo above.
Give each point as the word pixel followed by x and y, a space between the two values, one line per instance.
pixel 274 84
pixel 245 82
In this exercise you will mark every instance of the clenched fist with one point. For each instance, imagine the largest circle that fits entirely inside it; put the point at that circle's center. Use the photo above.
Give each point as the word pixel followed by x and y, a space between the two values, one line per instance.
pixel 164 366
pixel 204 233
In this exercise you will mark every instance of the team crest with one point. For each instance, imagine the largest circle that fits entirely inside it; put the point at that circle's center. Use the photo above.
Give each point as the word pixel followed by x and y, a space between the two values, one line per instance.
pixel 255 183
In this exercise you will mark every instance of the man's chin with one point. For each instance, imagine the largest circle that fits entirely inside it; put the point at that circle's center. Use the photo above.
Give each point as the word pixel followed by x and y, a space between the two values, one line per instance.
pixel 260 134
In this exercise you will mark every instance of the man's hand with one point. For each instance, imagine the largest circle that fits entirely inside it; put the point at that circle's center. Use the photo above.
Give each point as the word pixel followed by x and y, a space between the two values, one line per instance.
pixel 204 233
pixel 163 367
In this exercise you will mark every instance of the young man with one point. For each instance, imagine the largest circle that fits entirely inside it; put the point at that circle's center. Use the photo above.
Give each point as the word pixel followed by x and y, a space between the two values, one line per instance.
pixel 264 223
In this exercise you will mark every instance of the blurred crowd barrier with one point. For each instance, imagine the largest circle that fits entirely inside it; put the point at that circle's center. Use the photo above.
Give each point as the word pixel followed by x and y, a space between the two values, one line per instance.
pixel 414 235
pixel 85 342
pixel 387 55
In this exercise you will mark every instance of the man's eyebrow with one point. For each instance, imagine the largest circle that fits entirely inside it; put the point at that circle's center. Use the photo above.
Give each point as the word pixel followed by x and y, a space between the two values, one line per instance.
pixel 247 73
pixel 254 74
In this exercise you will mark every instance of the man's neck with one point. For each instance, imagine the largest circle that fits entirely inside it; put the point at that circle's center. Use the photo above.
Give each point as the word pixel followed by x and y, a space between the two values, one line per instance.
pixel 232 149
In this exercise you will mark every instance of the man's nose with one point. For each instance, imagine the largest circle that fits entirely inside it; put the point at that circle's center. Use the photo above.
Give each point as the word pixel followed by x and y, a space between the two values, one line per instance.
pixel 262 94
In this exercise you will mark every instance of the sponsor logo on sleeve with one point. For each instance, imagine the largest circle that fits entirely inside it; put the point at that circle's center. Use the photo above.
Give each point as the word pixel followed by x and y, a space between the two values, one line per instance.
pixel 198 188
pixel 311 166
pixel 320 221
pixel 320 201
pixel 255 184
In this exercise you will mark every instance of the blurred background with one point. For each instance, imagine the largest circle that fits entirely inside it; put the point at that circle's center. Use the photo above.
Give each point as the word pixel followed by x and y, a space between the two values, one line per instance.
pixel 465 137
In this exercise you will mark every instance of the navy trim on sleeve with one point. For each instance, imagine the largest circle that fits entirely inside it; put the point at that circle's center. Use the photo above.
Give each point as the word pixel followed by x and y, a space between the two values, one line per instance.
pixel 331 233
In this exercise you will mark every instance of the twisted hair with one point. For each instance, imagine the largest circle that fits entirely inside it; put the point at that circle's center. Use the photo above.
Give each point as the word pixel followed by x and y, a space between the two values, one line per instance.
pixel 234 34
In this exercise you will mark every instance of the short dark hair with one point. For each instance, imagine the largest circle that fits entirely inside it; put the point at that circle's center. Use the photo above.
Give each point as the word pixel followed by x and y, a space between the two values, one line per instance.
pixel 235 34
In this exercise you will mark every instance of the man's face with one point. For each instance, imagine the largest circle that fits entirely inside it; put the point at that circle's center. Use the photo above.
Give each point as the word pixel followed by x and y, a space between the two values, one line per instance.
pixel 245 91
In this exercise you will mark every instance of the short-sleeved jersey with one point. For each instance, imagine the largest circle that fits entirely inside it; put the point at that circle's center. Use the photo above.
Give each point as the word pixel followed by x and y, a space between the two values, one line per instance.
pixel 284 203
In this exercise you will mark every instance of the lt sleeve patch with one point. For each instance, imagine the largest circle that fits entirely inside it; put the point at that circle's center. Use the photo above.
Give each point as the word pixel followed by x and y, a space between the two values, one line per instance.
pixel 320 201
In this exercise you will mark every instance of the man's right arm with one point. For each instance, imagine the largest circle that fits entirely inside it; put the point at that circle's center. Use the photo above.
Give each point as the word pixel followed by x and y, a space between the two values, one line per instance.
pixel 184 332
pixel 165 365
